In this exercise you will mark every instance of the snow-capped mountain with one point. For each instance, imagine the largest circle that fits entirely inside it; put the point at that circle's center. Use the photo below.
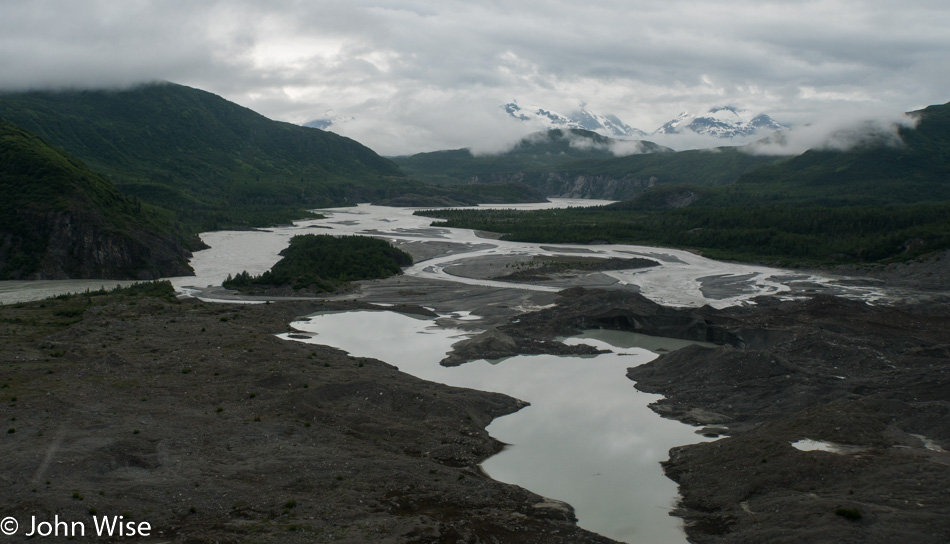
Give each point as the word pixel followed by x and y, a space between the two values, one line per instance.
pixel 606 125
pixel 722 122
pixel 330 118
pixel 322 124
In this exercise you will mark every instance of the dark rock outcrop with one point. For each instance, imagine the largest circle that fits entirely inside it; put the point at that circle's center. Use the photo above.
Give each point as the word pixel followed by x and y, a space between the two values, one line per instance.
pixel 77 247
pixel 59 220
pixel 579 308
pixel 575 185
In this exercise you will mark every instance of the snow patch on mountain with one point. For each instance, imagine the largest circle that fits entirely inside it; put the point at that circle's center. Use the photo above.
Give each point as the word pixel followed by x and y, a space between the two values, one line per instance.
pixel 328 120
pixel 542 118
pixel 720 123
pixel 725 122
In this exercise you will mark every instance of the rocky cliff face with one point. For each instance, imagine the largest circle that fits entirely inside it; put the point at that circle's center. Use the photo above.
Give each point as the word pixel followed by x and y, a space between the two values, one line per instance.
pixel 570 185
pixel 567 185
pixel 77 246
pixel 60 220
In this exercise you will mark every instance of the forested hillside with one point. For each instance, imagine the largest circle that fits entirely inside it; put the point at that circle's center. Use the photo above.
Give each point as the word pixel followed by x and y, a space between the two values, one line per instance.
pixel 538 151
pixel 213 163
pixel 914 169
pixel 582 164
pixel 58 219
pixel 879 202
pixel 621 178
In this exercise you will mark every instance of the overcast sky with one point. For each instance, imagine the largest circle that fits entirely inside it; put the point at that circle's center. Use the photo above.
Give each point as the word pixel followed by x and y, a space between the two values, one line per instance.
pixel 420 75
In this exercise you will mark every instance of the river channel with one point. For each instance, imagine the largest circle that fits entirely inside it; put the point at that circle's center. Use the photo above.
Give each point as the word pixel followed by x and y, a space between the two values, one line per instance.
pixel 588 437
pixel 681 279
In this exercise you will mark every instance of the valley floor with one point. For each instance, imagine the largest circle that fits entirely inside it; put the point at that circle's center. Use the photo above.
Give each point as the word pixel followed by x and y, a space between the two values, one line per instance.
pixel 194 417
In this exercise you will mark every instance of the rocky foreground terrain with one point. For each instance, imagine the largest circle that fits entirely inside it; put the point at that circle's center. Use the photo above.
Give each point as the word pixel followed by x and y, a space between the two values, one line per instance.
pixel 195 418
pixel 874 380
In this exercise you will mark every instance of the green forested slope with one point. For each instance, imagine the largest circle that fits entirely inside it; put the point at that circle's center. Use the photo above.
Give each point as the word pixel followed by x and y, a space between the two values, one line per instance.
pixel 717 166
pixel 582 164
pixel 539 151
pixel 59 219
pixel 878 202
pixel 212 162
pixel 916 169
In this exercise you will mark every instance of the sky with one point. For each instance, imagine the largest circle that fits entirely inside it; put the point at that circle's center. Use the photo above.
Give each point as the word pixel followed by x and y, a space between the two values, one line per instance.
pixel 405 76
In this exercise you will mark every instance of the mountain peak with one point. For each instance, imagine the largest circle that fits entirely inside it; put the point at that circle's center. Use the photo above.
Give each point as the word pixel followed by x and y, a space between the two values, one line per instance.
pixel 721 122
pixel 329 119
pixel 606 125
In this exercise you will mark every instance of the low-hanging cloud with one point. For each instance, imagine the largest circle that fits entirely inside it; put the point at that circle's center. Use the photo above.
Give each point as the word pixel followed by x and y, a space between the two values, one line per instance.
pixel 617 148
pixel 838 131
pixel 382 62
pixel 690 140
pixel 497 145
pixel 420 120
pixel 629 147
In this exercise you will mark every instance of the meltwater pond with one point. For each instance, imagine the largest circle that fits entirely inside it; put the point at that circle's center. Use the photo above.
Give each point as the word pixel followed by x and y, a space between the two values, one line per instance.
pixel 588 438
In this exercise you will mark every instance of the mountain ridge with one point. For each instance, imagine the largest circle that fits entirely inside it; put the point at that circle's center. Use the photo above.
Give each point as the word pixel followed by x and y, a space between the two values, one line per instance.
pixel 724 122
pixel 543 149
pixel 878 202
pixel 582 164
pixel 214 163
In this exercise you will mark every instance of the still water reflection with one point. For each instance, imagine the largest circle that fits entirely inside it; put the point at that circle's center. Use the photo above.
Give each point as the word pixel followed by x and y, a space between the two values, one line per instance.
pixel 588 437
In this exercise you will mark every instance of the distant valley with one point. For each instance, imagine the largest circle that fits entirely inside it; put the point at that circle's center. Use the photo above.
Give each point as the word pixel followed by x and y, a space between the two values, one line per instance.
pixel 200 162
pixel 188 161
pixel 877 202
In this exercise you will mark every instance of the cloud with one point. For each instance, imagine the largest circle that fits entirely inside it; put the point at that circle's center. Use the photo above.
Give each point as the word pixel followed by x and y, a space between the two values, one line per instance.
pixel 618 148
pixel 413 72
pixel 839 131
pixel 625 148
pixel 426 119
pixel 690 140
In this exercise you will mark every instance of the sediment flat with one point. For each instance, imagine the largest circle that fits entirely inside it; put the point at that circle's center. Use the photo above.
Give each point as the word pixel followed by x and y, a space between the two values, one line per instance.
pixel 868 382
pixel 195 418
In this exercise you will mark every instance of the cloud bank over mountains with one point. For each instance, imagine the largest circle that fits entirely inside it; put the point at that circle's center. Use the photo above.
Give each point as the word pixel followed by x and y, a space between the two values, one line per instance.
pixel 419 75
pixel 837 132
